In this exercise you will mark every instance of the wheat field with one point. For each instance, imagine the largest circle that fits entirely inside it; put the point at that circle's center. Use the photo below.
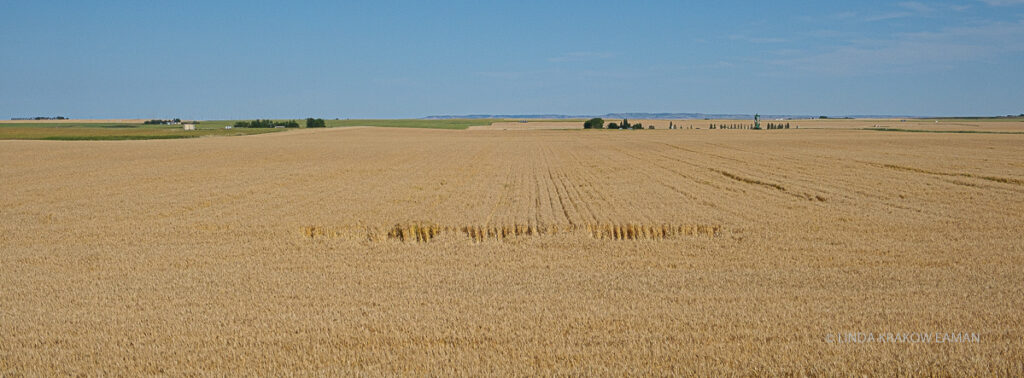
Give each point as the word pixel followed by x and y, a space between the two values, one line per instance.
pixel 381 251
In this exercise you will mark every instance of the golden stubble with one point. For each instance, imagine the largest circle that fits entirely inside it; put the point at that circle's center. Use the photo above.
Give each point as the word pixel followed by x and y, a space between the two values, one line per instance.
pixel 401 251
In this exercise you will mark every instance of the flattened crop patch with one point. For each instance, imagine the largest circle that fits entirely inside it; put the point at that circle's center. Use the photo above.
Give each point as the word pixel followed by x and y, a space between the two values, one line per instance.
pixel 424 232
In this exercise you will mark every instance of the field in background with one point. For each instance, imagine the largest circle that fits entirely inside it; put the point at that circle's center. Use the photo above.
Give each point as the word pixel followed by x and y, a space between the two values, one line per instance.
pixel 482 252
pixel 453 124
pixel 112 130
pixel 531 125
pixel 72 121
pixel 450 124
pixel 114 133
pixel 134 129
pixel 912 125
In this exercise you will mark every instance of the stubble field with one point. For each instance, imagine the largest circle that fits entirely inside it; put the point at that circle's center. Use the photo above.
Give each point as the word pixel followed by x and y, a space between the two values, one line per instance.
pixel 382 251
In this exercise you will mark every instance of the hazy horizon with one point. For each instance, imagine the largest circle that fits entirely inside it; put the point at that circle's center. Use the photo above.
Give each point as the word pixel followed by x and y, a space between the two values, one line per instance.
pixel 526 116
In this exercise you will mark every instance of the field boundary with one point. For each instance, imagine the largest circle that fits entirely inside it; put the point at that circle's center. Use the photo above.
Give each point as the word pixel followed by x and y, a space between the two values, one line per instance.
pixel 943 131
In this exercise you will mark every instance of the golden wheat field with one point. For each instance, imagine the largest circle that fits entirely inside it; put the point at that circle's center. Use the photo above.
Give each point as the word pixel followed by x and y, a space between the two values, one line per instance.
pixel 382 251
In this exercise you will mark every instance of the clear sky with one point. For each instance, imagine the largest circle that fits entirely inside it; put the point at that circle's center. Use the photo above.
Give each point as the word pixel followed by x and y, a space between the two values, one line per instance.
pixel 380 59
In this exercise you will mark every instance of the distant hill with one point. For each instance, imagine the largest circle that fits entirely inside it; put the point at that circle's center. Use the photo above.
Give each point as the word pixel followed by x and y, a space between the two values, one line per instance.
pixel 653 116
pixel 528 116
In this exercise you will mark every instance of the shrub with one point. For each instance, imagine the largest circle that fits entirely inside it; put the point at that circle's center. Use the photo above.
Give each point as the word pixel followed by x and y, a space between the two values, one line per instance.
pixel 594 123
pixel 315 122
pixel 651 127
pixel 613 125
pixel 637 126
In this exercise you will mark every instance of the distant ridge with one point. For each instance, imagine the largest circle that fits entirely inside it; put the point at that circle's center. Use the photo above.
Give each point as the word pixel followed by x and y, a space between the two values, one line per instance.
pixel 656 116
pixel 485 116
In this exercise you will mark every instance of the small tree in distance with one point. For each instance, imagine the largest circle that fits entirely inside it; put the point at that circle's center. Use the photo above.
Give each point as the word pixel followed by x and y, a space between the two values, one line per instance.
pixel 594 123
pixel 315 122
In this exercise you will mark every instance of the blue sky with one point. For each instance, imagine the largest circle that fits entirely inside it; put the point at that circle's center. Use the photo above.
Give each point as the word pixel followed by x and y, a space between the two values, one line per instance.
pixel 381 59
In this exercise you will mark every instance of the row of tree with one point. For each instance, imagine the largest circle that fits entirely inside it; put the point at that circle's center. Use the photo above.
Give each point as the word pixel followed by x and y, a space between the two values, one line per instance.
pixel 625 125
pixel 598 123
pixel 163 121
pixel 735 126
pixel 39 118
pixel 741 126
pixel 266 123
